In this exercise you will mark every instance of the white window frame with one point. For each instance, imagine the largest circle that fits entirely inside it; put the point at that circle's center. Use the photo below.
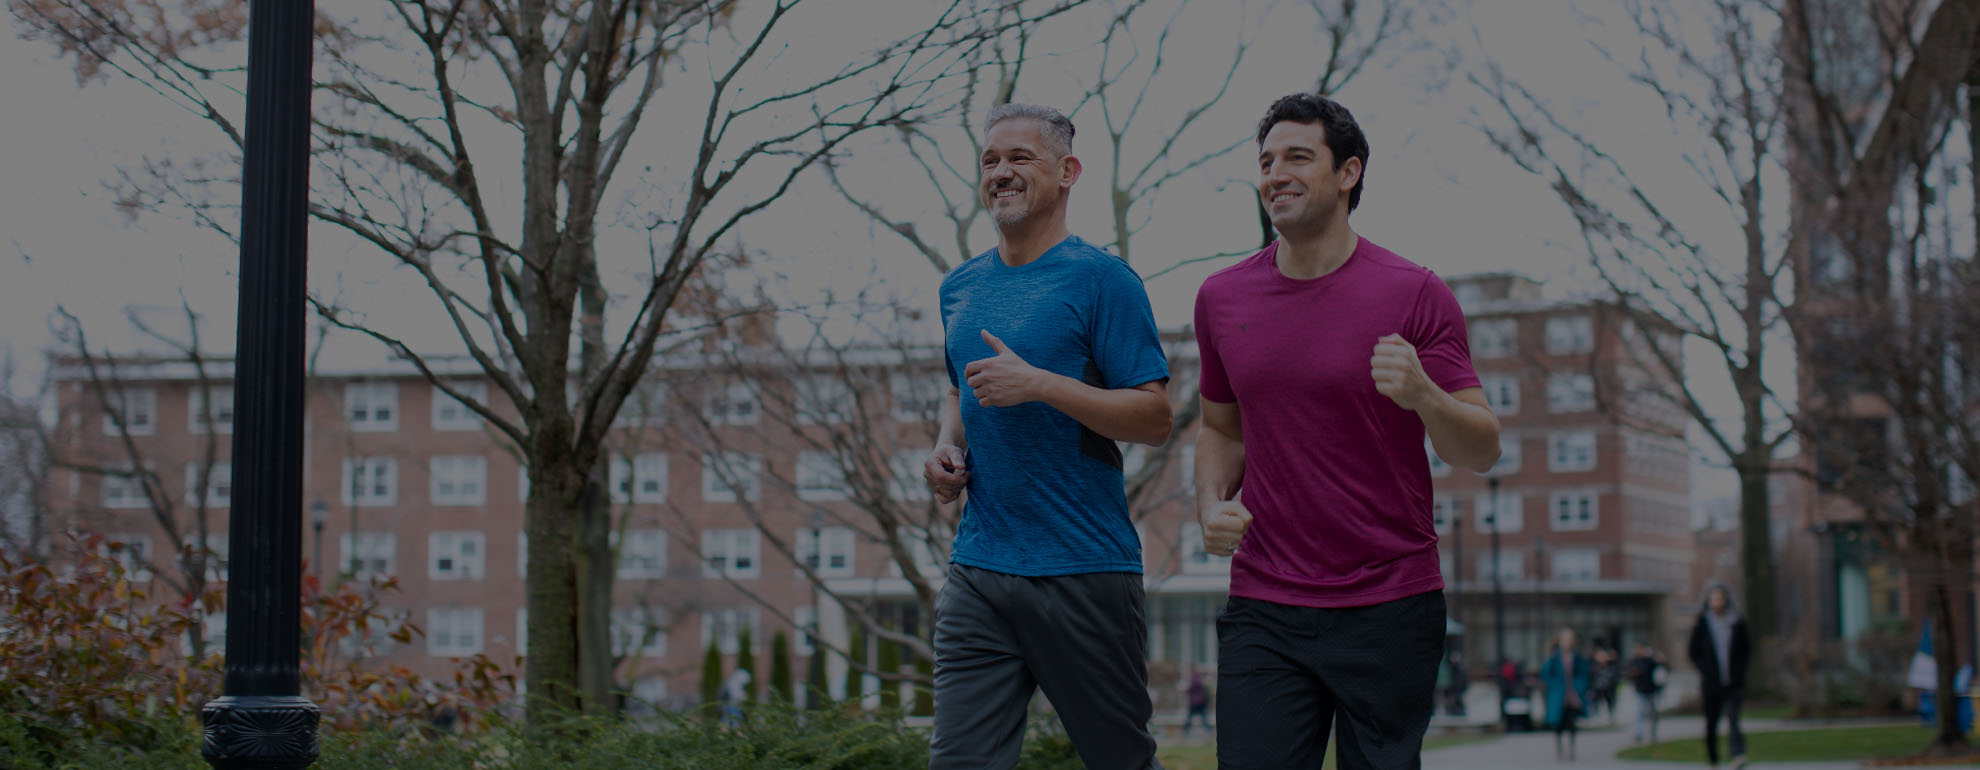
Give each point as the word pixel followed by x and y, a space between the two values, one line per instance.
pixel 466 474
pixel 630 632
pixel 748 468
pixel 136 405
pixel 1442 508
pixel 735 403
pixel 1575 565
pixel 1188 469
pixel 371 406
pixel 1495 338
pixel 124 491
pixel 645 406
pixel 823 399
pixel 135 555
pixel 1502 393
pixel 1570 392
pixel 1570 334
pixel 805 619
pixel 733 553
pixel 377 554
pixel 1511 504
pixel 1512 566
pixel 450 414
pixel 223 409
pixel 369 470
pixel 1197 560
pixel 1572 451
pixel 905 480
pixel 820 477
pixel 839 545
pixel 727 623
pixel 453 632
pixel 643 554
pixel 916 399
pixel 456 555
pixel 1566 508
pixel 219 484
pixel 1512 455
pixel 216 551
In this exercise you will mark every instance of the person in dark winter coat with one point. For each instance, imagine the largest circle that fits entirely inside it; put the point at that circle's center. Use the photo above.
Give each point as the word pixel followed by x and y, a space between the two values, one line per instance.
pixel 1720 649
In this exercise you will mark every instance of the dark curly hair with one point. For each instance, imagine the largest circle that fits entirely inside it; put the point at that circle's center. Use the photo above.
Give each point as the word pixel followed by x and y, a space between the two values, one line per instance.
pixel 1344 137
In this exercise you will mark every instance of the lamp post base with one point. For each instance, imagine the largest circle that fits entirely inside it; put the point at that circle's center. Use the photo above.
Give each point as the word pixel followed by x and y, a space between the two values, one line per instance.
pixel 260 732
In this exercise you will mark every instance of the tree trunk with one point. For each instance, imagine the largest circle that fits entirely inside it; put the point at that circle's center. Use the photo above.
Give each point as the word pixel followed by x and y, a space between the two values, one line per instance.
pixel 1945 648
pixel 1756 544
pixel 551 585
pixel 594 594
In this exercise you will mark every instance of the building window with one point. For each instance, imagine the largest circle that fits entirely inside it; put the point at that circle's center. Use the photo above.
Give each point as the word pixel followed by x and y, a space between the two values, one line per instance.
pixel 639 630
pixel 1512 566
pixel 1568 392
pixel 136 408
pixel 917 397
pixel 453 632
pixel 820 477
pixel 643 554
pixel 1495 338
pixel 1195 559
pixel 1502 392
pixel 724 628
pixel 1574 510
pixel 928 560
pixel 731 553
pixel 725 475
pixel 827 551
pixel 907 481
pixel 823 399
pixel 1577 565
pixel 450 414
pixel 522 554
pixel 1510 512
pixel 806 618
pixel 221 405
pixel 734 404
pixel 458 479
pixel 641 478
pixel 375 555
pixel 219 484
pixel 1570 334
pixel 646 405
pixel 1443 511
pixel 214 551
pixel 125 487
pixel 1571 451
pixel 455 555
pixel 133 552
pixel 1189 467
pixel 371 481
pixel 371 406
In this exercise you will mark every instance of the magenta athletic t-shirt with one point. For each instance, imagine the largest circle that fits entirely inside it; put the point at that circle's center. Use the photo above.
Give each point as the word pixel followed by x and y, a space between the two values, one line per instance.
pixel 1335 474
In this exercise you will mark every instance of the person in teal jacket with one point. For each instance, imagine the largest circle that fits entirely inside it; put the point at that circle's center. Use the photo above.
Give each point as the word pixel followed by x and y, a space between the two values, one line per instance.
pixel 1565 675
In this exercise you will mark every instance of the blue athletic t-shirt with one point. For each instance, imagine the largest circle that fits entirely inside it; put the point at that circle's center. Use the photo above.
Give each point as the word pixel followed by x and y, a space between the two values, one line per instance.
pixel 1045 493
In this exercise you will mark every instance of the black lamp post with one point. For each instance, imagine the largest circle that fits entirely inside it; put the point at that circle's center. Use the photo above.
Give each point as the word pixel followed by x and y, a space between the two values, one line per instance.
pixel 261 721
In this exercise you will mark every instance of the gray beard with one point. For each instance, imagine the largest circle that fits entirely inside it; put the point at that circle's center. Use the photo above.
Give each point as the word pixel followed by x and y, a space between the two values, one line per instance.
pixel 1008 220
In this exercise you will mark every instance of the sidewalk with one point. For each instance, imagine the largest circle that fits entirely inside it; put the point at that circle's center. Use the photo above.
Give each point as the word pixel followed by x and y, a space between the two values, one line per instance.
pixel 1597 747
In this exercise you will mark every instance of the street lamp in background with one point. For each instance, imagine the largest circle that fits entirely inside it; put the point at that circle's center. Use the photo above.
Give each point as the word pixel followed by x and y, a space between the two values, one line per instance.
pixel 319 515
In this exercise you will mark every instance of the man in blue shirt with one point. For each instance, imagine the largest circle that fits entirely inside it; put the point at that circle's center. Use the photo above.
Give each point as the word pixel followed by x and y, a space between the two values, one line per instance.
pixel 1052 357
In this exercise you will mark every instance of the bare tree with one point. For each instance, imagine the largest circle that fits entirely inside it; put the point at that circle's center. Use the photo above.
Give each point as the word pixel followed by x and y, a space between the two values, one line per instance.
pixel 1723 96
pixel 419 110
pixel 1885 300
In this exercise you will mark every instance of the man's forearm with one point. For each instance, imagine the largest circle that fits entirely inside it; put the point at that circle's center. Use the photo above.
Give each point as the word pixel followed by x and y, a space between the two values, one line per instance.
pixel 951 432
pixel 1219 467
pixel 1125 414
pixel 1465 435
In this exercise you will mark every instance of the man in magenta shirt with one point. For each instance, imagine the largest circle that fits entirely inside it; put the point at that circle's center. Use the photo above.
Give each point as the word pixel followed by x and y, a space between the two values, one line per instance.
pixel 1326 361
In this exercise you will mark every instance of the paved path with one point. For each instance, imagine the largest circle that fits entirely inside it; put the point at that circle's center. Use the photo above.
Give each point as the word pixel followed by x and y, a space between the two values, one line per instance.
pixel 1596 749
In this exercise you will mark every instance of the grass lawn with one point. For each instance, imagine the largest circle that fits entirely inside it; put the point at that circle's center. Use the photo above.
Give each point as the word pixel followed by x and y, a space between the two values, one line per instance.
pixel 1204 756
pixel 1818 745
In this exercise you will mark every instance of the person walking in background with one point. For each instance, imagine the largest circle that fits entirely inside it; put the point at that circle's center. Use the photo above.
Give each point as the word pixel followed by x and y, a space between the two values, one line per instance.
pixel 1196 694
pixel 1720 649
pixel 1566 676
pixel 1647 674
pixel 1608 674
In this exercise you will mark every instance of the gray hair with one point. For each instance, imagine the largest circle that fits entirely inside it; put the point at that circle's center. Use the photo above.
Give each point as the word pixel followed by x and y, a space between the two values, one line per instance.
pixel 1057 128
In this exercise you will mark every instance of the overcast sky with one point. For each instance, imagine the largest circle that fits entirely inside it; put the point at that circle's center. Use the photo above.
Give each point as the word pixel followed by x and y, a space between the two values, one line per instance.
pixel 1436 193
